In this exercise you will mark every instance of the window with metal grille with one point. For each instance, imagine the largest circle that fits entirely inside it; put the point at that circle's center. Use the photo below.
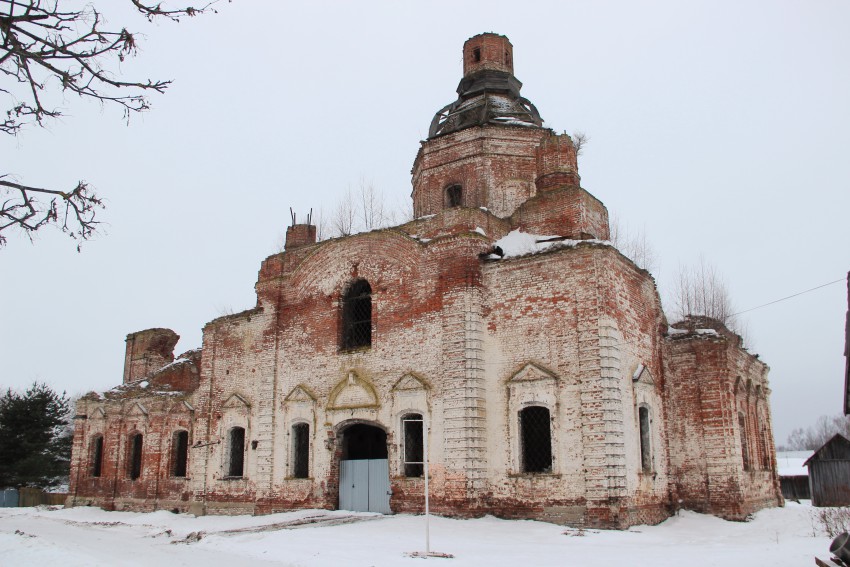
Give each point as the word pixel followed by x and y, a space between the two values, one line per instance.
pixel 645 448
pixel 745 450
pixel 179 453
pixel 454 196
pixel 536 435
pixel 413 445
pixel 301 450
pixel 135 461
pixel 97 456
pixel 357 316
pixel 236 462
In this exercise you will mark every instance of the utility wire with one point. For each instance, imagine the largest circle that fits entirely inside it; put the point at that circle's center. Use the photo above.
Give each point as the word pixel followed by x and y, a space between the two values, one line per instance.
pixel 789 297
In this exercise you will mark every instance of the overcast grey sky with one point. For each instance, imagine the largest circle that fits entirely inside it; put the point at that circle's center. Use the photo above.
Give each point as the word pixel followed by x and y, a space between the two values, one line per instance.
pixel 722 129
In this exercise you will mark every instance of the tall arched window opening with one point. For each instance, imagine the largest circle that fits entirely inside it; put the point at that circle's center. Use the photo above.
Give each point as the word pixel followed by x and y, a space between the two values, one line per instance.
pixel 454 196
pixel 300 450
pixel 179 453
pixel 97 456
pixel 135 453
pixel 413 445
pixel 645 446
pixel 745 451
pixel 236 461
pixel 536 435
pixel 357 316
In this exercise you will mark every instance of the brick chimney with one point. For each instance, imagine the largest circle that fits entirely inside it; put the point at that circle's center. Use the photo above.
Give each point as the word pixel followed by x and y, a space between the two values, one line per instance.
pixel 299 235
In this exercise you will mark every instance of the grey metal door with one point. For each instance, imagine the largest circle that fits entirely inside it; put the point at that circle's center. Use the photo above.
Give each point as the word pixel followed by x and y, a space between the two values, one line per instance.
pixel 364 485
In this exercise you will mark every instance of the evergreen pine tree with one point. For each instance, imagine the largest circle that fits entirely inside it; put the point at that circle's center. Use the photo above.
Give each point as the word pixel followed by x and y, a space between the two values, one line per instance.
pixel 35 441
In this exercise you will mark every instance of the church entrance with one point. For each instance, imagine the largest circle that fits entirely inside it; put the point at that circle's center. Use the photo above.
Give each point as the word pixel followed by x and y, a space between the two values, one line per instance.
pixel 364 475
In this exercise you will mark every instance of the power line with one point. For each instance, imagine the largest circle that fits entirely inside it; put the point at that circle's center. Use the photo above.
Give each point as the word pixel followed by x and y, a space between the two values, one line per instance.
pixel 789 297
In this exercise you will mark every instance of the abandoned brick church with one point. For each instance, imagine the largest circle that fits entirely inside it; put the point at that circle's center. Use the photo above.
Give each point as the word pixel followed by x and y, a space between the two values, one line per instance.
pixel 501 319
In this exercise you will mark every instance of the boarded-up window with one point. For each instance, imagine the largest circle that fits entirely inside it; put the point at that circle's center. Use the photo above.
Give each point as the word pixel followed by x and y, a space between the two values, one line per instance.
pixel 745 450
pixel 357 316
pixel 134 469
pixel 179 453
pixel 413 445
pixel 236 461
pixel 97 456
pixel 536 435
pixel 301 450
pixel 454 196
pixel 645 447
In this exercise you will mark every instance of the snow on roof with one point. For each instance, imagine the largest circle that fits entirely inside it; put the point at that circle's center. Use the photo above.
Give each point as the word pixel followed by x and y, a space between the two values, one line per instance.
pixel 790 463
pixel 518 243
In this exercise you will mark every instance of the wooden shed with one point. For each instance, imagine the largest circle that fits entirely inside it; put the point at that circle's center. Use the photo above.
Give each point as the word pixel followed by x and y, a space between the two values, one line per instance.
pixel 829 473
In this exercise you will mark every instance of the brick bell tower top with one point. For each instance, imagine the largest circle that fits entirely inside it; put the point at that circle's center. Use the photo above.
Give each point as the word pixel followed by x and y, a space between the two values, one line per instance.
pixel 488 51
pixel 488 93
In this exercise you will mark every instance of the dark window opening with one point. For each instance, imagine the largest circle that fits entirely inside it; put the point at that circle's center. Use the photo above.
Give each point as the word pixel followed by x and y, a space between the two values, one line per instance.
pixel 357 316
pixel 135 468
pixel 536 435
pixel 454 196
pixel 301 450
pixel 180 453
pixel 645 451
pixel 507 58
pixel 745 450
pixel 97 456
pixel 413 445
pixel 236 463
pixel 476 55
pixel 361 441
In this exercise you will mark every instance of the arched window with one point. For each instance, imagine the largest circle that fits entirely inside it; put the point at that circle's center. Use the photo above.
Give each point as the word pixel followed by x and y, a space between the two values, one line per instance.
pixel 357 316
pixel 536 436
pixel 134 468
pixel 300 450
pixel 645 443
pixel 236 453
pixel 413 450
pixel 454 196
pixel 179 453
pixel 745 451
pixel 97 456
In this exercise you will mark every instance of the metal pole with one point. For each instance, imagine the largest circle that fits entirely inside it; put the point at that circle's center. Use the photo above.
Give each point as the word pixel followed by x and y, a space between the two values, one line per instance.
pixel 427 507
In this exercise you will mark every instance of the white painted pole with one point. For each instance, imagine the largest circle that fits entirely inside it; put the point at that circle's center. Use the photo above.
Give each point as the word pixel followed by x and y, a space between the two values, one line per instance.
pixel 427 507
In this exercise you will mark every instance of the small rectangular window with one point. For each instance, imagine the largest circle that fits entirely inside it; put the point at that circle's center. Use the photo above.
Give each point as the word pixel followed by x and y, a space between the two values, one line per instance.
pixel 237 452
pixel 301 450
pixel 645 452
pixel 97 457
pixel 180 451
pixel 135 468
pixel 413 445
pixel 536 431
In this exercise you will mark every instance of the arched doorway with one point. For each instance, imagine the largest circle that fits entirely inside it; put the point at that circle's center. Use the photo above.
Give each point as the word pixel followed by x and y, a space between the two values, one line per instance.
pixel 364 476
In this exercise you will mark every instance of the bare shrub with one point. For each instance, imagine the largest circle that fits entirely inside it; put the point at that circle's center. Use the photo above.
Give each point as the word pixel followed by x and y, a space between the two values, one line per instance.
pixel 831 521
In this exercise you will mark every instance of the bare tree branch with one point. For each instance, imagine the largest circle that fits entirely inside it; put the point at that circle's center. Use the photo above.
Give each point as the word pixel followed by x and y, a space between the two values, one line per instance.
pixel 46 51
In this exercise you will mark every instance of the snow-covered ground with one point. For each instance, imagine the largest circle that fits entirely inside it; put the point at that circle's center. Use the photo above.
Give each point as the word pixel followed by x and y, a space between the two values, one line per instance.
pixel 89 536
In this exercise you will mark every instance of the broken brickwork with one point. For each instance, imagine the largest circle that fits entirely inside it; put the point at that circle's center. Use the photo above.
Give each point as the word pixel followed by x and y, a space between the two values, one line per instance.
pixel 537 355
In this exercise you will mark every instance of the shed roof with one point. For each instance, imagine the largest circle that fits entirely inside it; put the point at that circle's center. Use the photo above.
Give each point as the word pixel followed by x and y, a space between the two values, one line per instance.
pixel 836 448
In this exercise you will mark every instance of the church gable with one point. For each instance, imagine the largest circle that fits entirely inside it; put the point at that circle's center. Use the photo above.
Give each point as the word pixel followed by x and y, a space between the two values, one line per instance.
pixel 642 376
pixel 532 373
pixel 409 383
pixel 137 410
pixel 236 402
pixel 300 393
pixel 353 392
